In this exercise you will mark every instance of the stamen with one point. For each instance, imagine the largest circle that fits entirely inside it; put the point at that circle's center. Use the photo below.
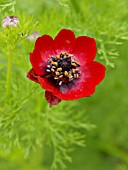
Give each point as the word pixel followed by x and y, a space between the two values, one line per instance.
pixel 48 70
pixel 66 73
pixel 65 56
pixel 70 76
pixel 53 66
pixel 58 56
pixel 48 66
pixel 54 63
pixel 60 83
pixel 73 70
pixel 73 64
pixel 75 61
pixel 56 78
pixel 52 70
pixel 76 75
pixel 59 69
pixel 60 76
pixel 63 68
pixel 57 73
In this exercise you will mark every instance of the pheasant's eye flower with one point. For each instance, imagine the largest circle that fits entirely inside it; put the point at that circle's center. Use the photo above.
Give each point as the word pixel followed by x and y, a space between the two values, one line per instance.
pixel 64 66
pixel 10 21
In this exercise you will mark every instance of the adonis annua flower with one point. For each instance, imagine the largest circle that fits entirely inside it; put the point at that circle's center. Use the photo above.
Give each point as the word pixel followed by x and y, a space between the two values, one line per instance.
pixel 65 66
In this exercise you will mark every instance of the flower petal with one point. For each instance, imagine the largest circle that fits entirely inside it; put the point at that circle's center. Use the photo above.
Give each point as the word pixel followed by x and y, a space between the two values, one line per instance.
pixel 91 76
pixel 77 91
pixel 46 84
pixel 65 41
pixel 37 62
pixel 32 76
pixel 43 50
pixel 94 72
pixel 45 45
pixel 85 50
pixel 51 99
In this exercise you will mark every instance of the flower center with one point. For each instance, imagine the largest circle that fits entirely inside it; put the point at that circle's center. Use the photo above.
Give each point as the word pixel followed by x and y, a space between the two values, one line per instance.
pixel 62 68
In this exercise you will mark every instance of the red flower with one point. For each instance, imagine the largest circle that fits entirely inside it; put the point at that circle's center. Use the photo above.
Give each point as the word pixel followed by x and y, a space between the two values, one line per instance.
pixel 64 66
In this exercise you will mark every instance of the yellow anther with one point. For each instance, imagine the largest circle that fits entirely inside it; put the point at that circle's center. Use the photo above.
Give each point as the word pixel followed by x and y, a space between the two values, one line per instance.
pixel 70 75
pixel 75 61
pixel 65 56
pixel 54 63
pixel 73 70
pixel 58 56
pixel 57 73
pixel 74 64
pixel 66 73
pixel 59 69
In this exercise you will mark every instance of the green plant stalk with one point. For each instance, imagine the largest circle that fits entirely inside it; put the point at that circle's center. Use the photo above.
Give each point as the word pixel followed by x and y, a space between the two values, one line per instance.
pixel 114 151
pixel 9 72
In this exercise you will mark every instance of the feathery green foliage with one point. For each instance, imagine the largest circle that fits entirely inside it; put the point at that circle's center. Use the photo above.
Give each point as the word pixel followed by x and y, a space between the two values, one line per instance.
pixel 27 125
pixel 7 5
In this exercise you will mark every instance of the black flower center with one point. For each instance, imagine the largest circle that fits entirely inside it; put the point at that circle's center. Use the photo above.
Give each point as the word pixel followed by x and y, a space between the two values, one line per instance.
pixel 62 69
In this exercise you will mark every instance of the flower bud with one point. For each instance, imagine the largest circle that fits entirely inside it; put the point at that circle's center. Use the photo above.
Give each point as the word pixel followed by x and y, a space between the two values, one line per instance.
pixel 10 21
pixel 33 36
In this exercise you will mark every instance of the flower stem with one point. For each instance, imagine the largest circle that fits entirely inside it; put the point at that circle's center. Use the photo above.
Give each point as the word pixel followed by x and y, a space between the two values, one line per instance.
pixel 9 72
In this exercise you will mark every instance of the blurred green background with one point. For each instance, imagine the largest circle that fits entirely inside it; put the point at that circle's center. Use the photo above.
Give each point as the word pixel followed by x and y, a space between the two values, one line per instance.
pixel 107 143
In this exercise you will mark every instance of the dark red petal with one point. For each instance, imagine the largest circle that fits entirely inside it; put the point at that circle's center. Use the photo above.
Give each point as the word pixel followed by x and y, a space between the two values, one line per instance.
pixel 51 99
pixel 37 62
pixel 43 50
pixel 85 50
pixel 78 91
pixel 32 76
pixel 65 41
pixel 45 45
pixel 67 93
pixel 45 84
pixel 94 72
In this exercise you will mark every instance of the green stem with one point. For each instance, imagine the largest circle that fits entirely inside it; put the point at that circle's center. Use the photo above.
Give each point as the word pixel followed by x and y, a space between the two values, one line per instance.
pixel 114 151
pixel 9 72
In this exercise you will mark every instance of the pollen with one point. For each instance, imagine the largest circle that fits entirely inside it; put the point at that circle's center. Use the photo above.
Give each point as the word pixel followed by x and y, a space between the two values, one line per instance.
pixel 63 68
pixel 74 64
pixel 54 63
pixel 73 70
pixel 59 69
pixel 57 73
pixel 75 61
pixel 66 73
pixel 58 56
